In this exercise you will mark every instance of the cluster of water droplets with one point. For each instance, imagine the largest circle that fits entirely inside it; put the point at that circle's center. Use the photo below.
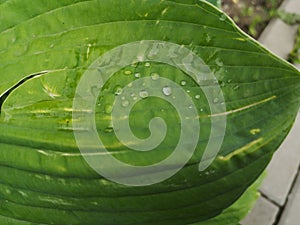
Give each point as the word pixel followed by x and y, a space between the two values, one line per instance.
pixel 134 92
pixel 181 94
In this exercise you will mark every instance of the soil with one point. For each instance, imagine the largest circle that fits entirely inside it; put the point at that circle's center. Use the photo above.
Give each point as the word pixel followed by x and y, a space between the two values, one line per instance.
pixel 252 16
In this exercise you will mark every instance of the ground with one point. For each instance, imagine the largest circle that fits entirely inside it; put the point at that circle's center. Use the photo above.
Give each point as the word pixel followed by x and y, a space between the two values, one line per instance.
pixel 251 15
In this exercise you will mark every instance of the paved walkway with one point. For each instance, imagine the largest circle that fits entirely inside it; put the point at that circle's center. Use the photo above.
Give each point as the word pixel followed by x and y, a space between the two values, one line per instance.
pixel 279 203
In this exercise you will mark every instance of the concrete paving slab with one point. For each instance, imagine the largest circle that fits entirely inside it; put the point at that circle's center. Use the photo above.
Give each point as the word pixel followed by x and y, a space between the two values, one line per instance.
pixel 291 213
pixel 284 167
pixel 263 213
pixel 278 32
pixel 283 33
pixel 292 6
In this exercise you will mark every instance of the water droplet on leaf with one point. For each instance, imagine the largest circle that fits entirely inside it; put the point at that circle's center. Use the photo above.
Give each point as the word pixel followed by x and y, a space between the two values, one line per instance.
pixel 125 103
pixel 108 130
pixel 94 90
pixel 118 90
pixel 255 131
pixel 222 17
pixel 127 72
pixel 167 90
pixel 219 62
pixel 144 94
pixel 155 76
pixel 108 109
pixel 134 65
pixel 208 38
pixel 183 83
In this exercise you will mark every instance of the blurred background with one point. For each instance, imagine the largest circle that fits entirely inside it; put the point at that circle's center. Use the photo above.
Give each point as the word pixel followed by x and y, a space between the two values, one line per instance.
pixel 275 24
pixel 253 16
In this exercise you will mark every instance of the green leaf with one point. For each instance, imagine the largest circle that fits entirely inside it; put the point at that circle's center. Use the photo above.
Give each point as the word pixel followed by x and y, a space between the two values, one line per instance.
pixel 46 47
pixel 215 2
pixel 235 213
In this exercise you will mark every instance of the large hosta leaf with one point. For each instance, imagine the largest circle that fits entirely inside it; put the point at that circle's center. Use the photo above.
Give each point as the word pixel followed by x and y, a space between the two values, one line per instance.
pixel 47 46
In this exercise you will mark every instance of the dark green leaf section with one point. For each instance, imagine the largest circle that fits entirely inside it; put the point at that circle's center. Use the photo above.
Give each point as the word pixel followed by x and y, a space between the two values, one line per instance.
pixel 235 213
pixel 44 178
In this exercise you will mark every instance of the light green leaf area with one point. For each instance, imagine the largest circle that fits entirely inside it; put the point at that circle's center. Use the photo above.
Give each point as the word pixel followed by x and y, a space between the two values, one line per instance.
pixel 46 47
pixel 215 2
